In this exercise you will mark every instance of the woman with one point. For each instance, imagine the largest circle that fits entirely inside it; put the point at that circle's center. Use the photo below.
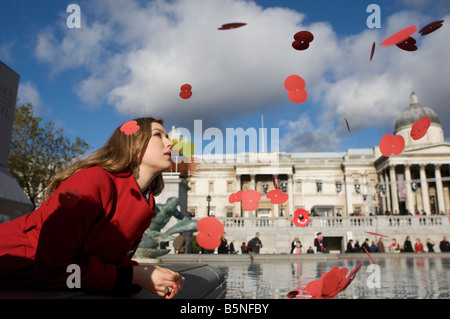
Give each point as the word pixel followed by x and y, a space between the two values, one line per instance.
pixel 430 245
pixel 395 247
pixel 296 246
pixel 94 215
pixel 223 248
pixel 407 246
pixel 418 246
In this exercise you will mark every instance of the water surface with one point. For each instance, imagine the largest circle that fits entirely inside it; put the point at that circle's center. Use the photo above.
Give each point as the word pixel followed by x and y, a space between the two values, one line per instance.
pixel 415 277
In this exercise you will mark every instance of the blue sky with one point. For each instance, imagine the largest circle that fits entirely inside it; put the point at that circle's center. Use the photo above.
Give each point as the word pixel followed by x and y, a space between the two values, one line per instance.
pixel 129 59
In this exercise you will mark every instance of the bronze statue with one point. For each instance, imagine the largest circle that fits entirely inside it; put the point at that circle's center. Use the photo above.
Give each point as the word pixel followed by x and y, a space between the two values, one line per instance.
pixel 153 235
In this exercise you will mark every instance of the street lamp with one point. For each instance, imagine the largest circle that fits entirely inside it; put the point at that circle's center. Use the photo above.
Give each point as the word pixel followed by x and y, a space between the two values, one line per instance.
pixel 208 199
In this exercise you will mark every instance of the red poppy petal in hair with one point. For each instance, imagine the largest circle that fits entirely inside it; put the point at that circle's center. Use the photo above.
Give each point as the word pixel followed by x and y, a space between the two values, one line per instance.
pixel 129 127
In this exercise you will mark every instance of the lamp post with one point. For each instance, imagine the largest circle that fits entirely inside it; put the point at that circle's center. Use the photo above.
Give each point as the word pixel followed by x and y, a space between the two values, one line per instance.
pixel 208 199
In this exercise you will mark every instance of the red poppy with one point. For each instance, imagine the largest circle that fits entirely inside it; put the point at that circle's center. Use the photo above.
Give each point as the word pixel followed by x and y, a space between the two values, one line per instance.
pixel 296 87
pixel 302 40
pixel 408 44
pixel 372 51
pixel 69 197
pixel 235 197
pixel 390 144
pixel 209 231
pixel 400 36
pixel 431 27
pixel 186 91
pixel 301 217
pixel 229 26
pixel 129 127
pixel 250 200
pixel 331 283
pixel 276 196
pixel 420 128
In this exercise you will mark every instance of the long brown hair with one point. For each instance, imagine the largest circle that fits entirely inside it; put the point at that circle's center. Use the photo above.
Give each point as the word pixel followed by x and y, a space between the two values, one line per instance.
pixel 120 153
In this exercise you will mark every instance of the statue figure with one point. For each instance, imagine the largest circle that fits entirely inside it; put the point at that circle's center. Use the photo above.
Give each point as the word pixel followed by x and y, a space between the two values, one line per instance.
pixel 153 235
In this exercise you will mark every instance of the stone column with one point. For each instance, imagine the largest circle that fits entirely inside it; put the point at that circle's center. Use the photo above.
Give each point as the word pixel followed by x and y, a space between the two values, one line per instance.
pixel 424 187
pixel 394 192
pixel 383 196
pixel 237 205
pixel 276 207
pixel 388 192
pixel 290 187
pixel 439 189
pixel 348 194
pixel 252 186
pixel 409 195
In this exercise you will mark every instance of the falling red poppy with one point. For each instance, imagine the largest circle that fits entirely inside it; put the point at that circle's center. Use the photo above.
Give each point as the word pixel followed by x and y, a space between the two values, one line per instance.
pixel 276 196
pixel 348 127
pixel 376 234
pixel 390 144
pixel 186 91
pixel 372 51
pixel 129 127
pixel 301 217
pixel 209 231
pixel 296 87
pixel 230 26
pixel 400 36
pixel 250 200
pixel 373 262
pixel 408 44
pixel 302 40
pixel 431 27
pixel 235 197
pixel 420 128
pixel 69 197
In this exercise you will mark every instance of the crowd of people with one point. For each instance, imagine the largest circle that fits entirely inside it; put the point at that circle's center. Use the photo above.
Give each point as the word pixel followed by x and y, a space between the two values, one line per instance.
pixel 182 246
pixel 353 246
pixel 396 247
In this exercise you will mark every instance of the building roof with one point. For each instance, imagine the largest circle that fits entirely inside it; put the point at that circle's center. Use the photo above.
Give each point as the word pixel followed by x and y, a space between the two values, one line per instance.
pixel 414 112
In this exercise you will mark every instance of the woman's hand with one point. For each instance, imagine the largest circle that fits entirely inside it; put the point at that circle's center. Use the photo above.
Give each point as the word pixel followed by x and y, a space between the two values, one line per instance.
pixel 155 279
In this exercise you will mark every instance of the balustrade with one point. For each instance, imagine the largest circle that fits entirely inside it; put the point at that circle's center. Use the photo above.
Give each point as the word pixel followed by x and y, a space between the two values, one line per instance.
pixel 339 222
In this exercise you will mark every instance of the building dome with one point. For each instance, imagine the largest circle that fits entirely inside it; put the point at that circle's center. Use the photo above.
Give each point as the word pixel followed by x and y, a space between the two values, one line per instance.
pixel 415 111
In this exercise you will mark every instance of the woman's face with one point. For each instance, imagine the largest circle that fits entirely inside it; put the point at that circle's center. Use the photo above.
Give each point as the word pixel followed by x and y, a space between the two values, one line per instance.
pixel 158 155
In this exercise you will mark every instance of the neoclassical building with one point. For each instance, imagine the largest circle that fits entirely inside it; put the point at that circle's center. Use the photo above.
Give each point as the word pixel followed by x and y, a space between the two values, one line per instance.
pixel 359 181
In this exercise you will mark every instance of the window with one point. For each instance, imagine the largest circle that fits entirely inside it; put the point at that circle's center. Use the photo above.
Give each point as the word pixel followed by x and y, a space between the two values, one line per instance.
pixel 230 212
pixel 230 187
pixel 211 187
pixel 192 186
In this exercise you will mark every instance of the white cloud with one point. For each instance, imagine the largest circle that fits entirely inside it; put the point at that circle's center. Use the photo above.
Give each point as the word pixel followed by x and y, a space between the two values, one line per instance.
pixel 28 93
pixel 137 56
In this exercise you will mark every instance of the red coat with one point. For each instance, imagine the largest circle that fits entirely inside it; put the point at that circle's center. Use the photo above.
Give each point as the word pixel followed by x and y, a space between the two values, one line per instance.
pixel 95 219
